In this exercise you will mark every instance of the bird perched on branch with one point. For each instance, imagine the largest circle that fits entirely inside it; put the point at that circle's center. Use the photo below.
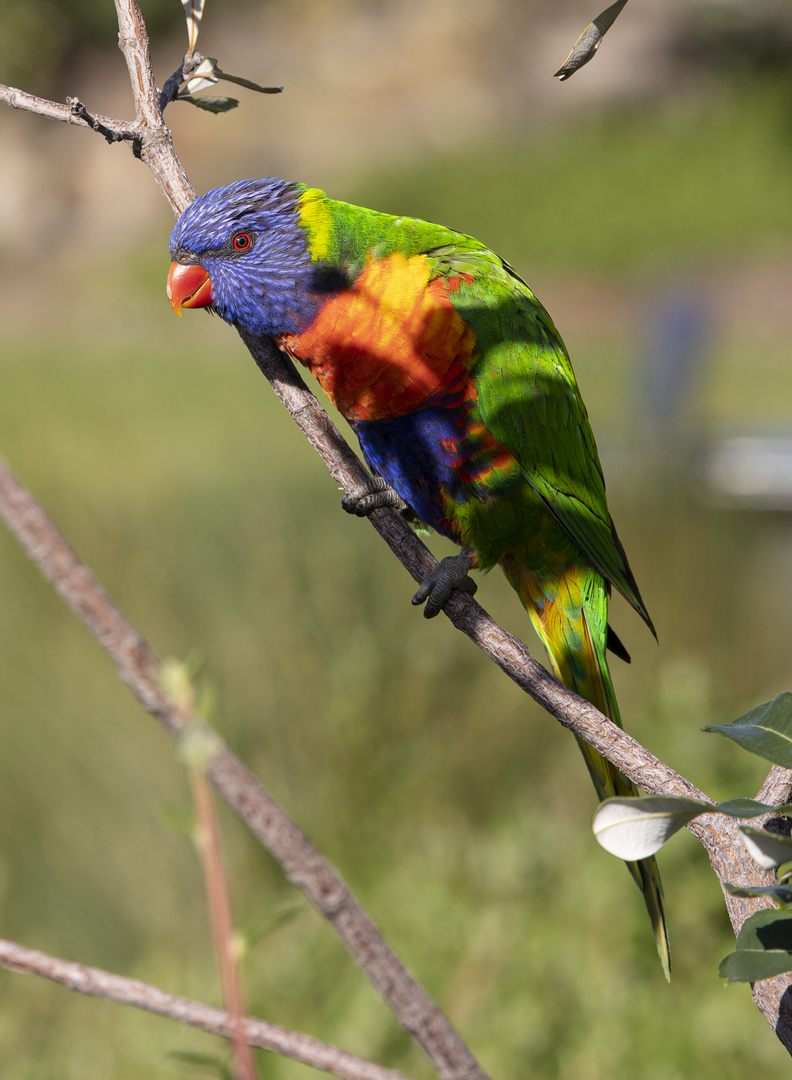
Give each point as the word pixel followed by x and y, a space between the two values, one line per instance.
pixel 461 394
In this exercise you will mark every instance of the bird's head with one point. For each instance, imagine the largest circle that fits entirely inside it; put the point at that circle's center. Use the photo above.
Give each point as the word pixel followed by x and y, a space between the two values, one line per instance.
pixel 242 251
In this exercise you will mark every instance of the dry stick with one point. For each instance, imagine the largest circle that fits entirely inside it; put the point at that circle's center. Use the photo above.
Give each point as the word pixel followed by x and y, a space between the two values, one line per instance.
pixel 104 984
pixel 54 110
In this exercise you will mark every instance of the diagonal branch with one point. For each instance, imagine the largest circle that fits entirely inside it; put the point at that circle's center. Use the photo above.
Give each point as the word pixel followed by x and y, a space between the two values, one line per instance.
pixel 54 110
pixel 305 867
pixel 273 1037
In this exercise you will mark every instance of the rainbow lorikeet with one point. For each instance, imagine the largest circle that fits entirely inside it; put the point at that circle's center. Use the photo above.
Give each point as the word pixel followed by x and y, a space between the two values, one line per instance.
pixel 461 394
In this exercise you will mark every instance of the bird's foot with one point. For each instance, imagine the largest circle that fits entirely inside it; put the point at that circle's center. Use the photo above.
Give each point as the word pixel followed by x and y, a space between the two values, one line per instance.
pixel 450 576
pixel 373 494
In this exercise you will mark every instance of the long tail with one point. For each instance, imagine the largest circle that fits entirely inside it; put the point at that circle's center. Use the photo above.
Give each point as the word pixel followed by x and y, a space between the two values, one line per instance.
pixel 569 611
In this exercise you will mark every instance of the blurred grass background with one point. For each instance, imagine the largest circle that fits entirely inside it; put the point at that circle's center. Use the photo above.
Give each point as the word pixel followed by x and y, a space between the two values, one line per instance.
pixel 456 810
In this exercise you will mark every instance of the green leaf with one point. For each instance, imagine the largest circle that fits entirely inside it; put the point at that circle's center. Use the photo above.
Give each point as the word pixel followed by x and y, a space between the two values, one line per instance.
pixel 764 948
pixel 766 930
pixel 247 83
pixel 589 41
pixel 210 104
pixel 748 808
pixel 769 849
pixel 635 828
pixel 269 921
pixel 765 730
pixel 782 894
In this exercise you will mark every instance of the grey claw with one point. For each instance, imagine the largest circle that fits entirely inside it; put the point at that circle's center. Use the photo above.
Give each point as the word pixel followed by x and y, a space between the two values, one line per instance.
pixel 450 576
pixel 372 495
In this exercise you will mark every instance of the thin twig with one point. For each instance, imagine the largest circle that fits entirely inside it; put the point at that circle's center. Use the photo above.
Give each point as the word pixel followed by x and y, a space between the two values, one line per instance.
pixel 104 984
pixel 219 900
pixel 111 135
pixel 54 110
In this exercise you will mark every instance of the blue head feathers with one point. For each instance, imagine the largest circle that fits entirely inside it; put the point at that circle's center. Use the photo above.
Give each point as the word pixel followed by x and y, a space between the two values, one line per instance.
pixel 249 239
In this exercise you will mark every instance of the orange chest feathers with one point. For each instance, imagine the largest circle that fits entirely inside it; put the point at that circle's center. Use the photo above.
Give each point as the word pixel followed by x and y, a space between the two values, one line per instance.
pixel 389 344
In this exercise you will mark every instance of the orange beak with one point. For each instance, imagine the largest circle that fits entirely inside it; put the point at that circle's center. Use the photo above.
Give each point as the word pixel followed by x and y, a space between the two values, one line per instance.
pixel 188 285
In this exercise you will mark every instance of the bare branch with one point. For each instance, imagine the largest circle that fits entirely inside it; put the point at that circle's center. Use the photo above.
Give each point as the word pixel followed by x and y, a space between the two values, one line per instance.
pixel 777 787
pixel 140 669
pixel 54 110
pixel 156 143
pixel 103 984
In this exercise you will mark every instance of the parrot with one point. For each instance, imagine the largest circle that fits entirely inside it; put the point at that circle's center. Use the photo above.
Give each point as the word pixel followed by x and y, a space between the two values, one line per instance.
pixel 462 396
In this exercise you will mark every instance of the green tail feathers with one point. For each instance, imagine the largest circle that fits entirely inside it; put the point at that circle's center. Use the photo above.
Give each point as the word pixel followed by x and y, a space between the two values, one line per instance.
pixel 609 781
pixel 568 607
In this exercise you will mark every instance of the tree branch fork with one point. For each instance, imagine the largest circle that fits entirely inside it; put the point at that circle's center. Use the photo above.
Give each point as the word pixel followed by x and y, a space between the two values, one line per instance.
pixel 139 667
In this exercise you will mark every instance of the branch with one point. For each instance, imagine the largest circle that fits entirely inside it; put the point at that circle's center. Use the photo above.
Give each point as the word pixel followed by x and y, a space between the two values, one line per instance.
pixel 303 865
pixel 68 114
pixel 98 983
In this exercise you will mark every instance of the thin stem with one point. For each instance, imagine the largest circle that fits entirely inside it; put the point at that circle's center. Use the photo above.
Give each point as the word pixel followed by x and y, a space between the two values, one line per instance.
pixel 219 900
pixel 67 114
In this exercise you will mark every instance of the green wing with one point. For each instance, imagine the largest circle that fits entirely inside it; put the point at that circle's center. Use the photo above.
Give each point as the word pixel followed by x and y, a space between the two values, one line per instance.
pixel 527 392
pixel 529 400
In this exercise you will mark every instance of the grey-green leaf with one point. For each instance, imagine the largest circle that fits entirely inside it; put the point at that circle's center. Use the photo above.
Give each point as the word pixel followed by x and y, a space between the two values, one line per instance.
pixel 247 83
pixel 271 920
pixel 769 849
pixel 764 948
pixel 782 894
pixel 765 730
pixel 637 828
pixel 589 41
pixel 745 966
pixel 211 104
pixel 748 808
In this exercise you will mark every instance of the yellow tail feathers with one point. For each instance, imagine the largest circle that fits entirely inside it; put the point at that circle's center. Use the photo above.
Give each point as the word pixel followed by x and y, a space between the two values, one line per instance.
pixel 569 610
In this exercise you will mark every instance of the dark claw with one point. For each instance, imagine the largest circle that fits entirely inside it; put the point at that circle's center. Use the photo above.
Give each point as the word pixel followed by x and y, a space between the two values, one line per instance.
pixel 372 495
pixel 450 576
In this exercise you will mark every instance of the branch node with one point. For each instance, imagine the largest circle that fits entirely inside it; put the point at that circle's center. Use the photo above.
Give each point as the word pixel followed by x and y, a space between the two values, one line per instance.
pixel 79 111
pixel 173 83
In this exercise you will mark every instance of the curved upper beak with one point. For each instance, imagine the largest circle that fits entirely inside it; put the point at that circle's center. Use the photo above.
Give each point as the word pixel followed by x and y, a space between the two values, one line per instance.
pixel 188 285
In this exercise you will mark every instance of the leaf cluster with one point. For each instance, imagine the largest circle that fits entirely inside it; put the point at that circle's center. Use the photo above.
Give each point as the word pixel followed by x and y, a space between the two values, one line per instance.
pixel 635 828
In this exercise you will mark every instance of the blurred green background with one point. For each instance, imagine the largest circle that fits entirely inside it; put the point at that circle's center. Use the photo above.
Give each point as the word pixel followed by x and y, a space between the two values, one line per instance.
pixel 647 202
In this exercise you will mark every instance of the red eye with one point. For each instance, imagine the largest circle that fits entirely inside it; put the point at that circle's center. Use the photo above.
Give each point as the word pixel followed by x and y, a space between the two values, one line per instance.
pixel 242 241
